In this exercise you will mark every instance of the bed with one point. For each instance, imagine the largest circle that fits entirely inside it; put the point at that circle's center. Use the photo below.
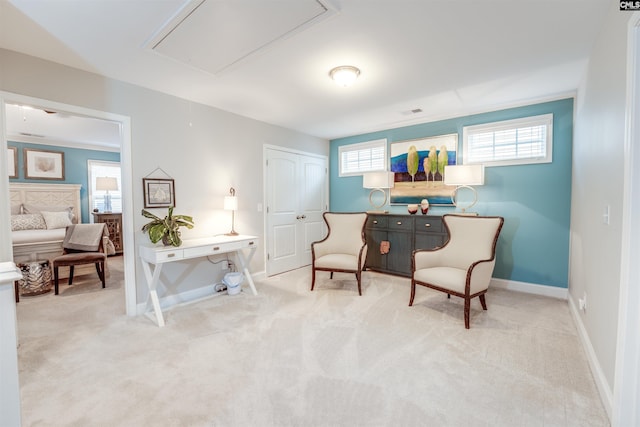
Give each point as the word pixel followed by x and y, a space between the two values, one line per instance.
pixel 40 214
pixel 33 240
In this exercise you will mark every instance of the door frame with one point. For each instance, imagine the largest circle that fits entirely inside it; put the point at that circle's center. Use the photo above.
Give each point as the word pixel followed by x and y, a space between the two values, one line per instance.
pixel 265 149
pixel 626 388
pixel 6 248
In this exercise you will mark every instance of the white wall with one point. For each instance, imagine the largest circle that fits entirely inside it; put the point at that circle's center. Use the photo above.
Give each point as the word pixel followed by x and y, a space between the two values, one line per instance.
pixel 598 179
pixel 204 149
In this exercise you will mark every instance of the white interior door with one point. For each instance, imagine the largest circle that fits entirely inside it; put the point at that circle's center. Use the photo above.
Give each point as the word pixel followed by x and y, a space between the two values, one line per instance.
pixel 296 196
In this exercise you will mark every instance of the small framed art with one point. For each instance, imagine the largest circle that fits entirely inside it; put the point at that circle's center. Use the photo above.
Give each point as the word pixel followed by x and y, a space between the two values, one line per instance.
pixel 158 193
pixel 43 164
pixel 12 162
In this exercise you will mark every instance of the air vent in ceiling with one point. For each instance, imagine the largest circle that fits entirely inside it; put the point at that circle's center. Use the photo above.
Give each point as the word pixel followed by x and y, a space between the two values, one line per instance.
pixel 410 112
pixel 215 35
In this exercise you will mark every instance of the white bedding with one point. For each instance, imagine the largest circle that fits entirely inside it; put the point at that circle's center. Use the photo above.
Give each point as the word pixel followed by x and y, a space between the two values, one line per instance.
pixel 26 237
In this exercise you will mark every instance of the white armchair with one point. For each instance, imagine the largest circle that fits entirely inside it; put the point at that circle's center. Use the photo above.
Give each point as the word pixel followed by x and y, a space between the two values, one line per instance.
pixel 344 249
pixel 464 265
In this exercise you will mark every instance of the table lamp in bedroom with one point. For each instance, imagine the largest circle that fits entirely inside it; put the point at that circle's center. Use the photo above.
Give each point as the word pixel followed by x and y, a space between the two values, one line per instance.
pixel 107 183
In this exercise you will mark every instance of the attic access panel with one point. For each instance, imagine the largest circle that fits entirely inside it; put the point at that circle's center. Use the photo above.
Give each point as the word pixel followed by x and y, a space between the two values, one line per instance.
pixel 215 34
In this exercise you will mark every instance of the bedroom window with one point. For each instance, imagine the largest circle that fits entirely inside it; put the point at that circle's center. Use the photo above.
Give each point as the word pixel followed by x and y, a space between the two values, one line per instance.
pixel 512 142
pixel 356 159
pixel 99 168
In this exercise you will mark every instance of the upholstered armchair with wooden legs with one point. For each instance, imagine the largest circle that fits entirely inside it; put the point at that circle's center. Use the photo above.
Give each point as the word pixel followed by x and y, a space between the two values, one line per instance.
pixel 464 265
pixel 83 244
pixel 344 249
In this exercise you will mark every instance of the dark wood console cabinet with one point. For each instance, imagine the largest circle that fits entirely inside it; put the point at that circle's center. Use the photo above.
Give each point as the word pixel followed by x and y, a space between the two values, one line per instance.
pixel 404 234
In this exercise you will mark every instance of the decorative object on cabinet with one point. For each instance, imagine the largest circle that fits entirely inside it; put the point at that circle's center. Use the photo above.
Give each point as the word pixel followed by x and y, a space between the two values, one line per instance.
pixel 231 204
pixel 463 266
pixel 344 249
pixel 400 235
pixel 464 176
pixel 107 183
pixel 83 244
pixel 424 206
pixel 166 229
pixel 43 164
pixel 418 167
pixel 377 182
pixel 114 225
pixel 159 192
pixel 412 209
pixel 12 162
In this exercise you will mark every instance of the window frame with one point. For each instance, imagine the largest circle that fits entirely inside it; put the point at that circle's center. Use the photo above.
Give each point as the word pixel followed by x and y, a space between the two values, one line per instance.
pixel 91 184
pixel 523 122
pixel 361 146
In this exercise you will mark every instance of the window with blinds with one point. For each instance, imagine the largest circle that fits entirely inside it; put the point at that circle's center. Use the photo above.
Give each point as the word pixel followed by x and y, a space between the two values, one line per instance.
pixel 356 159
pixel 511 142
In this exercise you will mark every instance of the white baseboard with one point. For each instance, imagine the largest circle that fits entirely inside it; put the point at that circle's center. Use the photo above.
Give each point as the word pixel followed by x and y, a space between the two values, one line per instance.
pixel 530 288
pixel 606 394
pixel 191 296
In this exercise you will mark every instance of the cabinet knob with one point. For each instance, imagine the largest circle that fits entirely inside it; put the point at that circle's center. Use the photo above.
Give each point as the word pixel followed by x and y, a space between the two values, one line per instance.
pixel 427 225
pixel 375 222
pixel 216 248
pixel 170 255
pixel 399 222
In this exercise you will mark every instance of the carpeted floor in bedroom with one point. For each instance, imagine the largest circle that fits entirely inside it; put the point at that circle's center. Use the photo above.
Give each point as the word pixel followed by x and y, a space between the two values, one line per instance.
pixel 291 357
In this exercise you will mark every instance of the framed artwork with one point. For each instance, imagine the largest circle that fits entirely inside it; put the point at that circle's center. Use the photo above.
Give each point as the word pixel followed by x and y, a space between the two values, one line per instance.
pixel 12 162
pixel 158 193
pixel 418 168
pixel 43 164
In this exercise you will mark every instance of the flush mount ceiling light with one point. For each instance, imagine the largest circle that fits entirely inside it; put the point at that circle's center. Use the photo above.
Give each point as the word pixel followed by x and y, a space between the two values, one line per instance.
pixel 344 75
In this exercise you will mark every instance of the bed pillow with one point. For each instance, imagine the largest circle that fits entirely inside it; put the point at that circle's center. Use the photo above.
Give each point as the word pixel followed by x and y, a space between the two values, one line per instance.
pixel 38 209
pixel 28 222
pixel 56 219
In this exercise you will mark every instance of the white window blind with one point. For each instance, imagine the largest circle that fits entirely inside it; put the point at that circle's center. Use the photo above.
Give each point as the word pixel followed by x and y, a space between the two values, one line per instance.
pixel 510 142
pixel 356 159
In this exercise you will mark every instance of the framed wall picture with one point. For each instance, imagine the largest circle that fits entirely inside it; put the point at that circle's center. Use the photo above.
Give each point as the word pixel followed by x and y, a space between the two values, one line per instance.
pixel 43 164
pixel 12 162
pixel 158 193
pixel 418 167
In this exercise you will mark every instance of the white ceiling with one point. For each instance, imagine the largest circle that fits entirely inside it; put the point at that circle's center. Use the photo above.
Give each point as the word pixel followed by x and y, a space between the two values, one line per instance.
pixel 269 59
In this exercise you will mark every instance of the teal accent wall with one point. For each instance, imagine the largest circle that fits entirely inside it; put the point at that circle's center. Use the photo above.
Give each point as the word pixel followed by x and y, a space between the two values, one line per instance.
pixel 535 200
pixel 75 168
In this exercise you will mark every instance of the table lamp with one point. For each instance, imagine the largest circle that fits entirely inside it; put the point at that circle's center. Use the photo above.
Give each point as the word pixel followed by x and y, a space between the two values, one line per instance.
pixel 378 182
pixel 231 204
pixel 107 183
pixel 464 176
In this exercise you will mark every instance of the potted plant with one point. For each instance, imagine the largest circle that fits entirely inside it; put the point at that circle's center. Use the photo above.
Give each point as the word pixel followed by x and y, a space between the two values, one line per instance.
pixel 166 229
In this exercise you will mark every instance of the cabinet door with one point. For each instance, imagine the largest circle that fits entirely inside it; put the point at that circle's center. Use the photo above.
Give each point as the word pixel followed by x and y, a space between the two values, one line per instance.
pixel 430 232
pixel 399 256
pixel 375 260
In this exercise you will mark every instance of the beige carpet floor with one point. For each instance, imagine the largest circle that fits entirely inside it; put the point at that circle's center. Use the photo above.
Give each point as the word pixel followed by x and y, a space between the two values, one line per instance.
pixel 291 357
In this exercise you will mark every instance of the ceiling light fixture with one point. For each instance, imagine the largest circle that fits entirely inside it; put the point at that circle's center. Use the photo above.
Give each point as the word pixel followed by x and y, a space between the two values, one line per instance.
pixel 344 75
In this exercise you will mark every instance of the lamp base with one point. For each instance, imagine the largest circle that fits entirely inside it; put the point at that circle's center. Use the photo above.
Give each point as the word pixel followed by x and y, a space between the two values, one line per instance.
pixel 231 233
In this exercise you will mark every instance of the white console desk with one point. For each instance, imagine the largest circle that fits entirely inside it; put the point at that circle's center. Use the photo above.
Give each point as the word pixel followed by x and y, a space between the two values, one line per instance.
pixel 157 256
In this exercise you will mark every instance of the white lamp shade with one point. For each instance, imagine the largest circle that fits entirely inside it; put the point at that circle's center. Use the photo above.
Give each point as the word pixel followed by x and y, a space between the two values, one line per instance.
pixel 106 183
pixel 464 175
pixel 230 203
pixel 378 180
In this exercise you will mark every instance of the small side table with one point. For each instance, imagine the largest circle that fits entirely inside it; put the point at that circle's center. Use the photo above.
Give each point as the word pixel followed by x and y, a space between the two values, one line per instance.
pixel 36 277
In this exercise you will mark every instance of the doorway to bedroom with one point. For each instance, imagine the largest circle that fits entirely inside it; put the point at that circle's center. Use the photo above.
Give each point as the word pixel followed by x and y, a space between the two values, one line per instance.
pixel 74 135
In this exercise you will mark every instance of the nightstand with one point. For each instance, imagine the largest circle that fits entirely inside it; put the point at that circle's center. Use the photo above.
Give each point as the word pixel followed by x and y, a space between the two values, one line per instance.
pixel 114 224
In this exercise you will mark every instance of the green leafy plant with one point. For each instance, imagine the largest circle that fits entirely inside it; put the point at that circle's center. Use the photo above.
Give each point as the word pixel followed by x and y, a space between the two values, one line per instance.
pixel 166 229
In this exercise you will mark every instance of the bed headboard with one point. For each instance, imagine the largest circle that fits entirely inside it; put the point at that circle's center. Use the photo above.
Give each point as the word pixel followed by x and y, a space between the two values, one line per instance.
pixel 46 195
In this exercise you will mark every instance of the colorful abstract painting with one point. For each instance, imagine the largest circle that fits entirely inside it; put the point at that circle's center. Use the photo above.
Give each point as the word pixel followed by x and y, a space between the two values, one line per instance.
pixel 418 167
